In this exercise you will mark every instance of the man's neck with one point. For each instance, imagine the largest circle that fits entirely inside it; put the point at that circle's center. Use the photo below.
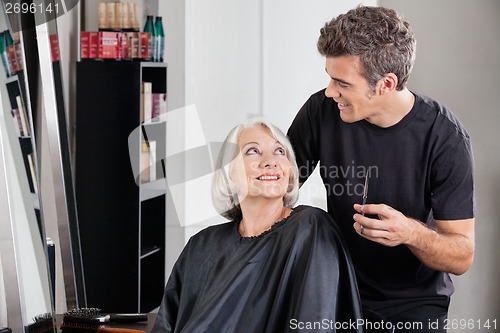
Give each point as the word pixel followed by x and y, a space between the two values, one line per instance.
pixel 392 108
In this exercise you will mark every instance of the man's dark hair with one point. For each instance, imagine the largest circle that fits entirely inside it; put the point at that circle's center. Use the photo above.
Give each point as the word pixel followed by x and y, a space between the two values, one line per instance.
pixel 380 37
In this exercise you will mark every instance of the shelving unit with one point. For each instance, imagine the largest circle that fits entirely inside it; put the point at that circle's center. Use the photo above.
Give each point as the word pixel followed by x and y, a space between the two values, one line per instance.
pixel 122 222
pixel 16 93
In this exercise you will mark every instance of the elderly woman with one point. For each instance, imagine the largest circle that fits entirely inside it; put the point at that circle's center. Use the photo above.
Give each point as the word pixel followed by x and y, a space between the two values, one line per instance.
pixel 273 268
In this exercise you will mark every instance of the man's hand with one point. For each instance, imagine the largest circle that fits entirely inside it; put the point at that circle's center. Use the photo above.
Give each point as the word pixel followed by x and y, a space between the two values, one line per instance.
pixel 391 228
pixel 448 248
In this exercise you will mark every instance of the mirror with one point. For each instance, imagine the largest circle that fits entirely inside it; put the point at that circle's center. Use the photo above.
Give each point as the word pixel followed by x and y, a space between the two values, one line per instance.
pixel 54 117
pixel 24 250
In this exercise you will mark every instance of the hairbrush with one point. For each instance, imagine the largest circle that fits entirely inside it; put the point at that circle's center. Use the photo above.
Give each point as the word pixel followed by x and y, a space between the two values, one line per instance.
pixel 43 323
pixel 115 317
pixel 90 320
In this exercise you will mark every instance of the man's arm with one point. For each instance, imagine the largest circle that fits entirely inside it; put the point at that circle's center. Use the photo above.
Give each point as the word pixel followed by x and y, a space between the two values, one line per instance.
pixel 448 248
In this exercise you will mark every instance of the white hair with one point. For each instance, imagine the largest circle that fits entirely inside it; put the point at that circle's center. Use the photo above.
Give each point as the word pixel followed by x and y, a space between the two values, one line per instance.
pixel 224 190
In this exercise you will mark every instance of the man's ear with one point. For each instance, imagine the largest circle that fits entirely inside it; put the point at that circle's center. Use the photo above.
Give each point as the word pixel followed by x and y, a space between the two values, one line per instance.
pixel 388 83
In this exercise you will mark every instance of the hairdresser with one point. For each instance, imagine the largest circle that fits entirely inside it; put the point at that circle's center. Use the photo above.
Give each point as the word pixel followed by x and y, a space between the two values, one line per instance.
pixel 417 225
pixel 273 268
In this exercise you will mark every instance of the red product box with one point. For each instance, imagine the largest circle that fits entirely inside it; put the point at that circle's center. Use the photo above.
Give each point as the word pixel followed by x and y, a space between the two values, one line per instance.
pixel 19 55
pixel 126 48
pixel 134 45
pixel 144 45
pixel 85 44
pixel 109 46
pixel 93 44
pixel 11 53
pixel 54 47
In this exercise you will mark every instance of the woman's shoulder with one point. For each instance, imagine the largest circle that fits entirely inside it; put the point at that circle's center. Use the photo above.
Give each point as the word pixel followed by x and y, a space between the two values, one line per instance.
pixel 313 222
pixel 214 232
pixel 306 210
pixel 314 217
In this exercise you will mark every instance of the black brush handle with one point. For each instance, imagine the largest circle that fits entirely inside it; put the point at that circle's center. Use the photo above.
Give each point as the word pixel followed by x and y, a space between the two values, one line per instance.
pixel 128 317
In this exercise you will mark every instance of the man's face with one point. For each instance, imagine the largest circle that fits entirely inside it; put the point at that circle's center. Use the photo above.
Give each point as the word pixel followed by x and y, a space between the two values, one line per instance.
pixel 356 99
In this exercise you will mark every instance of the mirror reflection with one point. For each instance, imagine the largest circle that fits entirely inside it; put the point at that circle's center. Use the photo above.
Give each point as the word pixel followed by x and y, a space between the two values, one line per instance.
pixel 56 158
pixel 24 223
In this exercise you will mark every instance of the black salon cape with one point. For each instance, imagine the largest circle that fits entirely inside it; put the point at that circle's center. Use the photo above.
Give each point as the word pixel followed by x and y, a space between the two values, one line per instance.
pixel 296 277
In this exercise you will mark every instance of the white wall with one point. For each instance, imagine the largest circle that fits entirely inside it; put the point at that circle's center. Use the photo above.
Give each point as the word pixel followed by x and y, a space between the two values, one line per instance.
pixel 458 63
pixel 293 69
pixel 251 58
pixel 223 62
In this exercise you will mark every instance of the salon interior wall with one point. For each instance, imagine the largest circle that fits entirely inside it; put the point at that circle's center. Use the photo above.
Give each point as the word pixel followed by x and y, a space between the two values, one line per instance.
pixel 458 62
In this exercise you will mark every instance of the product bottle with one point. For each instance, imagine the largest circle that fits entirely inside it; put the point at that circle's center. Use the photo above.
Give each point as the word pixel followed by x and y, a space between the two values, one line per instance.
pixel 8 38
pixel 112 21
pixel 10 52
pixel 160 39
pixel 132 16
pixel 102 16
pixel 3 55
pixel 149 27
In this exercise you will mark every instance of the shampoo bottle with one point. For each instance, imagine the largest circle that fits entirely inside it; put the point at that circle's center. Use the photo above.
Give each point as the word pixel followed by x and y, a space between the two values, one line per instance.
pixel 160 39
pixel 3 55
pixel 150 28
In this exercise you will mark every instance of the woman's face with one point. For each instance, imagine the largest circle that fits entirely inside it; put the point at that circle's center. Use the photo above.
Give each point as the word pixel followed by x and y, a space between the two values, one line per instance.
pixel 261 169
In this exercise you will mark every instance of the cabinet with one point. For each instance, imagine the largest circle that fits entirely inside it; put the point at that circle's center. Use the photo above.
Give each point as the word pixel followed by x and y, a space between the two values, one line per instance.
pixel 121 220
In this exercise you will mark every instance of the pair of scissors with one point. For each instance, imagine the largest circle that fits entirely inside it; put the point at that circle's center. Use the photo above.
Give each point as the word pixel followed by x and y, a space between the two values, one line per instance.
pixel 365 195
pixel 365 190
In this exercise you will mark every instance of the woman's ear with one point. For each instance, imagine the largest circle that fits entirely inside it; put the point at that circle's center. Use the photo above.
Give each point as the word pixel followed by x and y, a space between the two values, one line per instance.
pixel 233 187
pixel 229 179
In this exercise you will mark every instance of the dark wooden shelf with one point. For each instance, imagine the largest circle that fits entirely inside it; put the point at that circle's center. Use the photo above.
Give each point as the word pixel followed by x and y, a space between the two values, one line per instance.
pixel 119 220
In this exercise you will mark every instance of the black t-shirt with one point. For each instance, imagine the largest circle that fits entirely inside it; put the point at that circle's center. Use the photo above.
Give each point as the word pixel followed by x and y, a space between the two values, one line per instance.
pixel 422 166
